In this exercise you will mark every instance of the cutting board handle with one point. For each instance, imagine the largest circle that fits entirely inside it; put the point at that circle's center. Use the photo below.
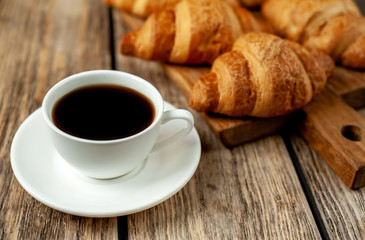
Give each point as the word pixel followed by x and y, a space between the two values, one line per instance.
pixel 337 132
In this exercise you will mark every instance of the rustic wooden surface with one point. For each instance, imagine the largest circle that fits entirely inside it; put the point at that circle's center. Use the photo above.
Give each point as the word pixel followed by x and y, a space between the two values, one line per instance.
pixel 342 211
pixel 335 131
pixel 40 43
pixel 274 188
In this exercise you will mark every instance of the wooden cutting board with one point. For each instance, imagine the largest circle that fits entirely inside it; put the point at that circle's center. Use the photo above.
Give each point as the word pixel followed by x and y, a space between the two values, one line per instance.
pixel 329 123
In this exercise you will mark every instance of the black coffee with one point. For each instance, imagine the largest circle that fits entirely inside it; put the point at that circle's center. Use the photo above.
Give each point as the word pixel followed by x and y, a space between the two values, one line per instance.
pixel 103 112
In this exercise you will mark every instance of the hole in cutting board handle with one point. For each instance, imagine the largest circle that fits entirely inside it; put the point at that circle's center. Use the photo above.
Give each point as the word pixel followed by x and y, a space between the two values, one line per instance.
pixel 351 132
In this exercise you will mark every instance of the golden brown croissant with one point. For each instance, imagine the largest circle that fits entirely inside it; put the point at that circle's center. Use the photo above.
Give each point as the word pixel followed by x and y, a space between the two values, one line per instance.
pixel 263 76
pixel 144 8
pixel 333 26
pixel 193 32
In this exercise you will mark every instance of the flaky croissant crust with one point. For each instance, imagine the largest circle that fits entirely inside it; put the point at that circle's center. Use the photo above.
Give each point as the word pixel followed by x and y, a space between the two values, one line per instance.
pixel 194 32
pixel 333 26
pixel 263 76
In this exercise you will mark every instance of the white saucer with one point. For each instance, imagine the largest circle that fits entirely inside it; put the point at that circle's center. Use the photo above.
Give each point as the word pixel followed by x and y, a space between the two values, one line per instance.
pixel 45 176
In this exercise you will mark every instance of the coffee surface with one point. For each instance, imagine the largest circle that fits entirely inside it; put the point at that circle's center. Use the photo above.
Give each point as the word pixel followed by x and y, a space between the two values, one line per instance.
pixel 103 112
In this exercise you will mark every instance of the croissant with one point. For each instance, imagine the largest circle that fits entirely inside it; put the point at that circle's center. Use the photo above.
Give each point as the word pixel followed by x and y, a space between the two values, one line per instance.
pixel 262 76
pixel 333 26
pixel 193 32
pixel 143 8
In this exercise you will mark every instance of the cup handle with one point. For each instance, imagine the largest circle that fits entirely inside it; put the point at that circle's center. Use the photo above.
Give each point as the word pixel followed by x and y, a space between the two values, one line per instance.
pixel 173 115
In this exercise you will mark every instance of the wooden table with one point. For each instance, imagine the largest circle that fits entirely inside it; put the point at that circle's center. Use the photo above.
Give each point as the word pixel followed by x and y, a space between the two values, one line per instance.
pixel 277 187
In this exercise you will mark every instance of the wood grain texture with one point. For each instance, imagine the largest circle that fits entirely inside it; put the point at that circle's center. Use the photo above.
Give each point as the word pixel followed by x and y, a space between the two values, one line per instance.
pixel 337 132
pixel 42 42
pixel 248 192
pixel 239 194
pixel 342 209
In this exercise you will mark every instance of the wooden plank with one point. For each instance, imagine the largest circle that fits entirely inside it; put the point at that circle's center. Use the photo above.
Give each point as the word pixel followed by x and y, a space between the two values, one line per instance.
pixel 248 192
pixel 238 194
pixel 337 132
pixel 41 43
pixel 341 208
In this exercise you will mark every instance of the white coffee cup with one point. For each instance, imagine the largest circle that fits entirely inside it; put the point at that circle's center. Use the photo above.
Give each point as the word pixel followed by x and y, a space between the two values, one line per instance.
pixel 105 159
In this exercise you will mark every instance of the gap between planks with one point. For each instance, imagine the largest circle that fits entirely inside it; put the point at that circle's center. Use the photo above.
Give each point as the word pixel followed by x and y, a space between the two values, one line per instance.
pixel 305 187
pixel 122 221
